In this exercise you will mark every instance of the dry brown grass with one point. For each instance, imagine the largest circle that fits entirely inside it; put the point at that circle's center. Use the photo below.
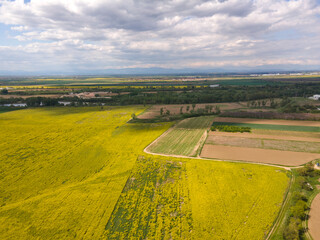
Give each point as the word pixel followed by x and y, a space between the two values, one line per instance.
pixel 267 121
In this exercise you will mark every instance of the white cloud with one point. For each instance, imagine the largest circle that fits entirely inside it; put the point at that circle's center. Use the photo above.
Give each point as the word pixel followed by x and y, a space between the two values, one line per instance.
pixel 180 33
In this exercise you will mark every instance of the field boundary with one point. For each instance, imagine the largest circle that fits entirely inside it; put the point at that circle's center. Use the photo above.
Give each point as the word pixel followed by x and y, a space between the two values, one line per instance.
pixel 202 141
pixel 283 209
pixel 197 150
pixel 285 202
pixel 287 196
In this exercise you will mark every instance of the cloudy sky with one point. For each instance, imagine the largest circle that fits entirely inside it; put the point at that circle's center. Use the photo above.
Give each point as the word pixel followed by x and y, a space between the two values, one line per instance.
pixel 90 35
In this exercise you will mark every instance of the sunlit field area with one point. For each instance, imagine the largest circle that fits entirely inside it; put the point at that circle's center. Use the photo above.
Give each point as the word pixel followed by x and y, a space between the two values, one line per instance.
pixel 197 199
pixel 62 170
pixel 82 173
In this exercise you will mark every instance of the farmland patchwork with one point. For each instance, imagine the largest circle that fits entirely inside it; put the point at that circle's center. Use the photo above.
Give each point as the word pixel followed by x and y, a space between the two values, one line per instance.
pixel 81 173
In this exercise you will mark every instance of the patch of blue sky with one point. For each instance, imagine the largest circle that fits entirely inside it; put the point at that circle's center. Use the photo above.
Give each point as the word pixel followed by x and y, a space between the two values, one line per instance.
pixel 7 36
pixel 288 34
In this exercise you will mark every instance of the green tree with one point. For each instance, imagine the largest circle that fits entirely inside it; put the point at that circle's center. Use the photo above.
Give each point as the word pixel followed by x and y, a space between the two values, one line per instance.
pixel 207 108
pixel 4 91
pixel 218 111
pixel 292 231
pixel 298 210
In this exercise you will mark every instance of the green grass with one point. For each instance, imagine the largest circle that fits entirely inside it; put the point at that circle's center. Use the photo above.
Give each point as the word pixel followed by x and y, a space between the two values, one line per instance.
pixel 271 126
pixel 8 109
pixel 183 138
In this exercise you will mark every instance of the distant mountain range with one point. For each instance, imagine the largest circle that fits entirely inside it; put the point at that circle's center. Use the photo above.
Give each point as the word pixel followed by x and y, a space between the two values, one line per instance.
pixel 166 71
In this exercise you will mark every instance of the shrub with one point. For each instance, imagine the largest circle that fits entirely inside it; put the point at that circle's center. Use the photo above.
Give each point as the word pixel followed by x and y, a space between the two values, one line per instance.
pixel 227 128
pixel 293 230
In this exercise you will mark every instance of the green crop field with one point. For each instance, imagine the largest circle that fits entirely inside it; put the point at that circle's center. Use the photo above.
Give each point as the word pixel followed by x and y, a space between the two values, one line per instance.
pixel 271 126
pixel 196 199
pixel 183 138
pixel 80 173
pixel 7 109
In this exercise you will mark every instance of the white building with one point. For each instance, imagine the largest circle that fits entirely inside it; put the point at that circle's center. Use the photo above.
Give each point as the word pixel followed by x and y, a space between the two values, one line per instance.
pixel 315 97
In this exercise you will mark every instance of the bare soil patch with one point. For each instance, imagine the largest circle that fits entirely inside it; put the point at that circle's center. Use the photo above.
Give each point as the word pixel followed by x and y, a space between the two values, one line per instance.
pixel 275 144
pixel 264 136
pixel 267 121
pixel 314 221
pixel 287 158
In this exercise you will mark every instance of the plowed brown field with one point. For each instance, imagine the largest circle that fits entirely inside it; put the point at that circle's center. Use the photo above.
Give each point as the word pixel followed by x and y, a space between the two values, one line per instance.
pixel 314 221
pixel 262 136
pixel 286 158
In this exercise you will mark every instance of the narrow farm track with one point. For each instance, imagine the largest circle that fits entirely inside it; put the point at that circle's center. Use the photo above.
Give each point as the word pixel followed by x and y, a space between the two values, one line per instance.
pixel 282 210
pixel 217 160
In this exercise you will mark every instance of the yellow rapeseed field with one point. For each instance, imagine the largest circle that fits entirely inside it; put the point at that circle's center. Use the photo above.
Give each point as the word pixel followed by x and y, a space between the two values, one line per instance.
pixel 80 173
pixel 63 169
pixel 167 198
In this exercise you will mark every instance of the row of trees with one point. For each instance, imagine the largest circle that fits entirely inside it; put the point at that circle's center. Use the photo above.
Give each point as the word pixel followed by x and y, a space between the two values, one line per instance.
pixel 206 110
pixel 263 103
pixel 253 94
pixel 288 105
pixel 40 101
pixel 216 95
